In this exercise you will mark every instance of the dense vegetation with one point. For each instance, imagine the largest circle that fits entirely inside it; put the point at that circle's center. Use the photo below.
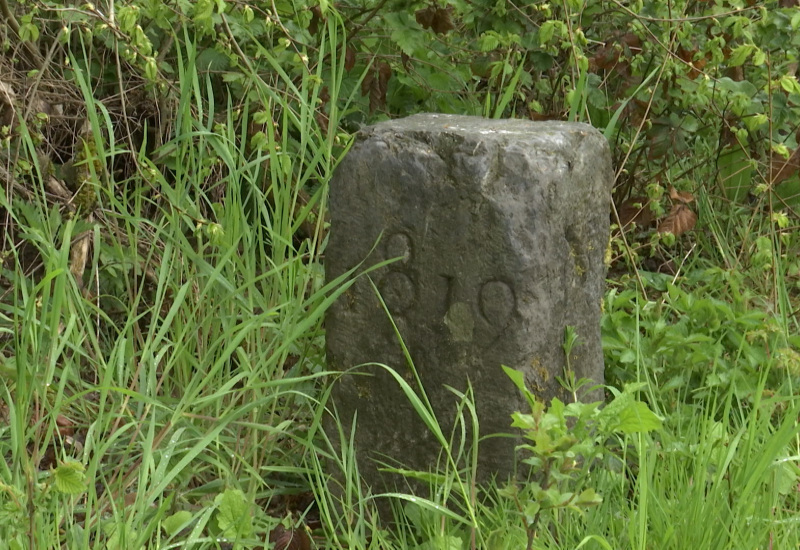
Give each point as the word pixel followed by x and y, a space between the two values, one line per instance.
pixel 165 167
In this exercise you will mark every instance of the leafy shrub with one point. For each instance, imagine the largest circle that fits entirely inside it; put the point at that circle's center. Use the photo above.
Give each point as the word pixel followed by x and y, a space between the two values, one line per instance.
pixel 694 344
pixel 565 445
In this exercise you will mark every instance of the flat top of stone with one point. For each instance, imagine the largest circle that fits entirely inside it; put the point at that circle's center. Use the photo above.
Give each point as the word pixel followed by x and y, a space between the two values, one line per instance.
pixel 470 125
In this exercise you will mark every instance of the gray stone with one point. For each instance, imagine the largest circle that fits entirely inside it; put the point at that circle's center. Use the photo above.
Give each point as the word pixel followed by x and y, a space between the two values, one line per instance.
pixel 500 227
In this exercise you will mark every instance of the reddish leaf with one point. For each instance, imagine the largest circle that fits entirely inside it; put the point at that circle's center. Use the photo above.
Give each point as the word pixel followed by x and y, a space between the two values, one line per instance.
pixel 425 17
pixel 316 18
pixel 782 169
pixel 65 425
pixel 442 24
pixel 635 210
pixel 289 539
pixel 375 84
pixel 688 57
pixel 349 59
pixel 609 55
pixel 681 196
pixel 680 220
pixel 366 84
pixel 435 18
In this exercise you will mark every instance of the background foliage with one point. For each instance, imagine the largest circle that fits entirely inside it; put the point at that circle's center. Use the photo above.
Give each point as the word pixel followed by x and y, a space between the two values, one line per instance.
pixel 165 168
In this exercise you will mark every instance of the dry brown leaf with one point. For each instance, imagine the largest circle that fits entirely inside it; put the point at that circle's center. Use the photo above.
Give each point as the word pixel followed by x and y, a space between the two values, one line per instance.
pixel 680 220
pixel 688 55
pixel 435 18
pixel 65 426
pixel 375 84
pixel 349 59
pixel 681 196
pixel 289 539
pixel 7 104
pixel 79 255
pixel 316 19
pixel 608 56
pixel 635 210
pixel 782 169
pixel 425 17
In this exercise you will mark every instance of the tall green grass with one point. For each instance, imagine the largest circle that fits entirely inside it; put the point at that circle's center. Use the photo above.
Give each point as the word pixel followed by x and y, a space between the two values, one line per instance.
pixel 173 376
pixel 163 381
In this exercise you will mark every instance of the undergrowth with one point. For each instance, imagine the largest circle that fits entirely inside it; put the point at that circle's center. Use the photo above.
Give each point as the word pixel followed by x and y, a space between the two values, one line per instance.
pixel 162 373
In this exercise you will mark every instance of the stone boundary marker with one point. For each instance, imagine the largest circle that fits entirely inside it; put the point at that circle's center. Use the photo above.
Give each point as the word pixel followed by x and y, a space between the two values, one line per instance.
pixel 500 227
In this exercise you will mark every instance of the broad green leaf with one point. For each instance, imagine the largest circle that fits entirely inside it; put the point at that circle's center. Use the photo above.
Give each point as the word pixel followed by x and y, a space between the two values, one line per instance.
pixel 488 41
pixel 588 498
pixel 516 377
pixel 446 542
pixel 524 421
pixel 759 57
pixel 531 510
pixel 176 522
pixel 70 478
pixel 546 32
pixel 507 538
pixel 637 417
pixel 120 536
pixel 233 514
pixel 790 84
pixel 740 55
pixel 407 33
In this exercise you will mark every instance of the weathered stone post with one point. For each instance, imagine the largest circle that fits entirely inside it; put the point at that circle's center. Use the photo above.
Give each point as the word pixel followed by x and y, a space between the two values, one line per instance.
pixel 501 228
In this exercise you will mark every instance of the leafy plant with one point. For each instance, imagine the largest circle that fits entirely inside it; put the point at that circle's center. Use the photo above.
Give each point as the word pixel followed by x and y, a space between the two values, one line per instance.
pixel 566 443
pixel 689 347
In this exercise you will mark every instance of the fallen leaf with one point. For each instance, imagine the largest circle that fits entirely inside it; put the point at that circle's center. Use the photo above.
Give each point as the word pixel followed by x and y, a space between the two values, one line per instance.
pixel 680 220
pixel 289 539
pixel 782 169
pixel 635 210
pixel 65 425
pixel 681 196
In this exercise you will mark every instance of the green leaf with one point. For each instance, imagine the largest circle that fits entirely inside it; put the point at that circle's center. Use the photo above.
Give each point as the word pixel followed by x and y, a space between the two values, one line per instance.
pixel 740 55
pixel 233 514
pixel 516 377
pixel 176 522
pixel 789 84
pixel 446 542
pixel 546 32
pixel 29 32
pixel 120 536
pixel 507 538
pixel 531 510
pixel 70 478
pixel 488 41
pixel 637 417
pixel 759 57
pixel 407 34
pixel 588 498
pixel 742 87
pixel 523 421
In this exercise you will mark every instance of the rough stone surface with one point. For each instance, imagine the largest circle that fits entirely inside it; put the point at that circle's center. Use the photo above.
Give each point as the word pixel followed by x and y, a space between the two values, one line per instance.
pixel 500 227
